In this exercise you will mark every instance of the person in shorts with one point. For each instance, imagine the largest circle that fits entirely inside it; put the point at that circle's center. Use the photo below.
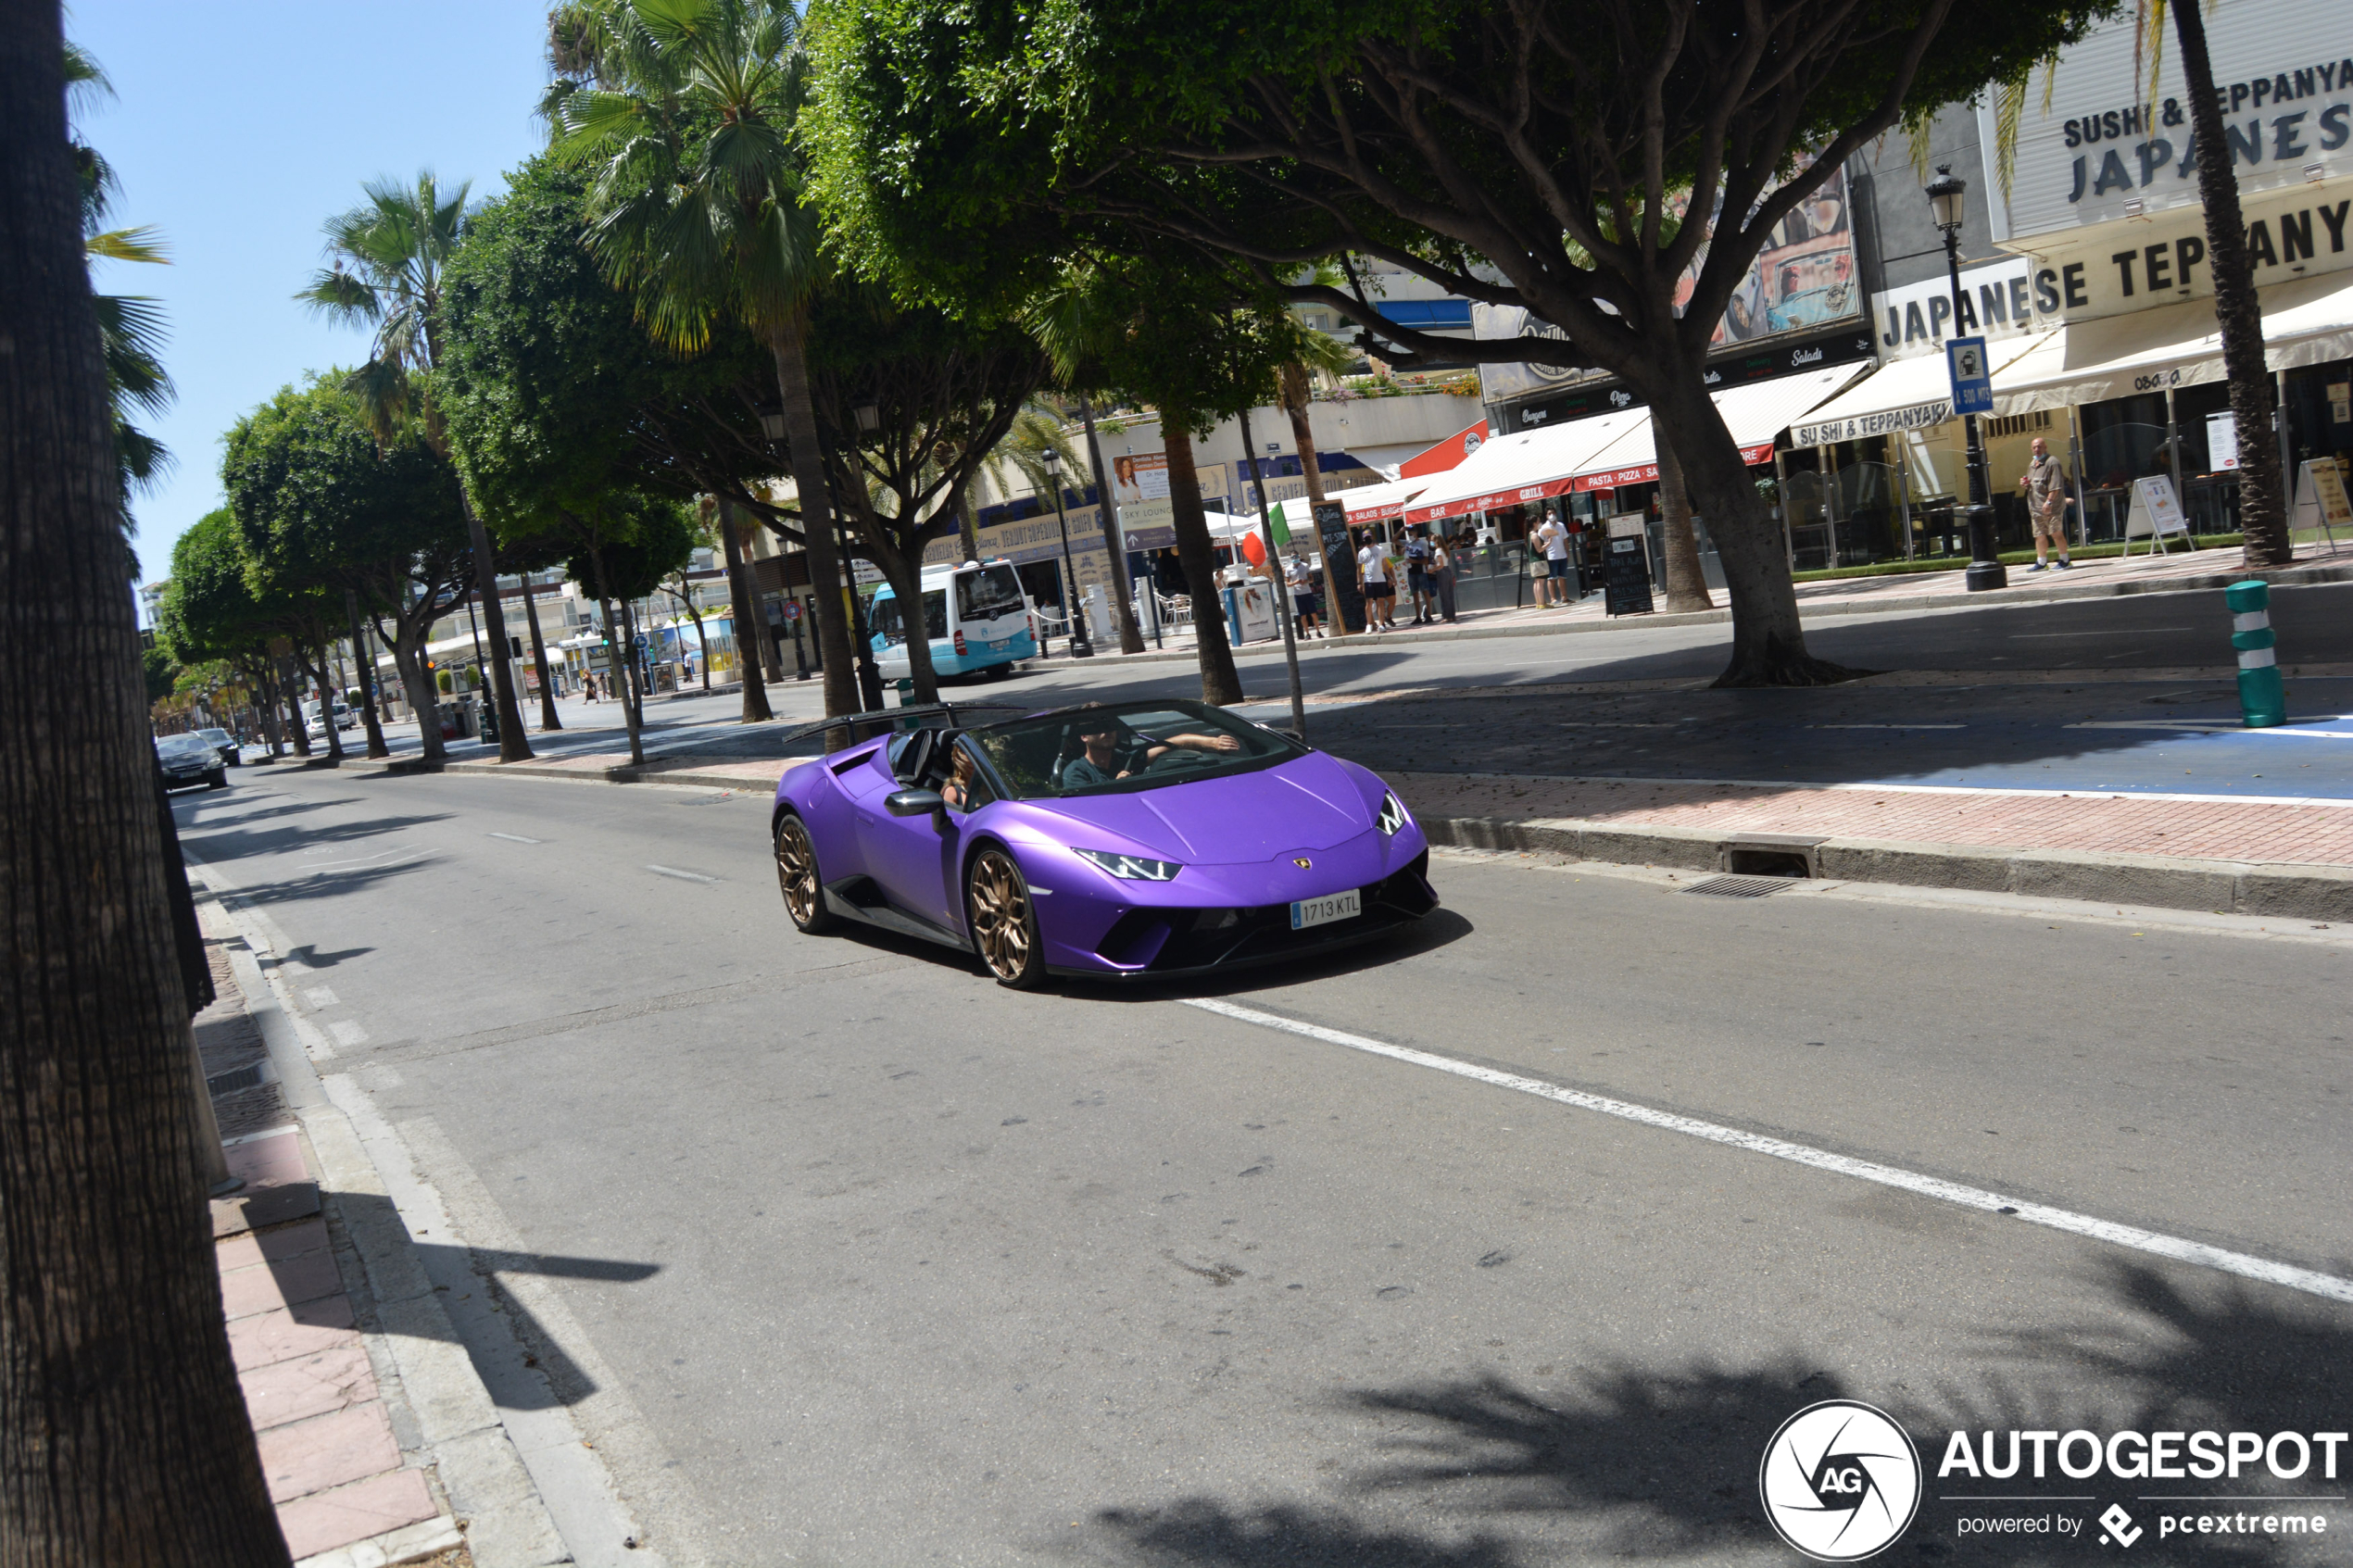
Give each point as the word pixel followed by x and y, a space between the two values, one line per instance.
pixel 1552 538
pixel 1303 594
pixel 1418 560
pixel 2045 482
pixel 1381 593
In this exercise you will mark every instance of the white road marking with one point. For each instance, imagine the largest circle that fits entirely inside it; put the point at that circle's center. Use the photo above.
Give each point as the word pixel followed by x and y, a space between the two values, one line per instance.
pixel 2245 1266
pixel 321 996
pixel 347 1032
pixel 517 838
pixel 683 876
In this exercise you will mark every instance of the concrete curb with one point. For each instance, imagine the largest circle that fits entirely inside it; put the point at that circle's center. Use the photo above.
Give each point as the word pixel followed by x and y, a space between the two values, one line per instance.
pixel 2281 577
pixel 2300 892
pixel 506 1523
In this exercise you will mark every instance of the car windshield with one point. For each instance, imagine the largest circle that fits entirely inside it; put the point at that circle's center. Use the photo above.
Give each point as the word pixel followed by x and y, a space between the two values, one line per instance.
pixel 217 737
pixel 183 745
pixel 1107 749
pixel 991 592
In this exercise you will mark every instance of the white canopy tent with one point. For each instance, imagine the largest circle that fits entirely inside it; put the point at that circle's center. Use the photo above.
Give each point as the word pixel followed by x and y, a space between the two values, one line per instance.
pixel 1528 465
pixel 1755 414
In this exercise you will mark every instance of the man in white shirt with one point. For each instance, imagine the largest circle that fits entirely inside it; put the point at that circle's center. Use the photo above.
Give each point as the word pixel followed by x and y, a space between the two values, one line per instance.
pixel 1552 538
pixel 1380 596
pixel 1303 594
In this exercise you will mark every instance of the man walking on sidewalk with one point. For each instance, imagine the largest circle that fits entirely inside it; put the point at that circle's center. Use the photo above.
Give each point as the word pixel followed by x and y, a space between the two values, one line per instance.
pixel 2045 482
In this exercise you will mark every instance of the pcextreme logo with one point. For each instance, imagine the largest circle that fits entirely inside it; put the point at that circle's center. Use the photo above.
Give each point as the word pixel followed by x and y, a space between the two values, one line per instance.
pixel 1841 1481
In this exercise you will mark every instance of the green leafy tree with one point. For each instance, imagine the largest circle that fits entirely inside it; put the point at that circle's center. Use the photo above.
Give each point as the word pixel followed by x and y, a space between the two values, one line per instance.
pixel 687 111
pixel 1182 332
pixel 942 393
pixel 396 243
pixel 1537 155
pixel 377 525
pixel 555 398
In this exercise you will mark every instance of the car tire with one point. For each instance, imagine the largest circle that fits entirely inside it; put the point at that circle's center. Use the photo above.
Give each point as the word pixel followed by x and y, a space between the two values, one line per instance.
pixel 217 779
pixel 1003 922
pixel 798 878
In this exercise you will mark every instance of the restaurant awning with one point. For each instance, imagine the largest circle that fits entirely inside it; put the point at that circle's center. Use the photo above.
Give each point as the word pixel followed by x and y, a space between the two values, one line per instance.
pixel 1529 466
pixel 2307 322
pixel 1755 414
pixel 1377 503
pixel 1901 395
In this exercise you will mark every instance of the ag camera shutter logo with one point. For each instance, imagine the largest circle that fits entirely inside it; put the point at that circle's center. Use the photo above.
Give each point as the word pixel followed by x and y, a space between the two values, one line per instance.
pixel 1841 1481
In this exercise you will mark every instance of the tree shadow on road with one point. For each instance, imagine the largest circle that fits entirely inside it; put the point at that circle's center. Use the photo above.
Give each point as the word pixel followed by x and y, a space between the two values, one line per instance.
pixel 1628 1460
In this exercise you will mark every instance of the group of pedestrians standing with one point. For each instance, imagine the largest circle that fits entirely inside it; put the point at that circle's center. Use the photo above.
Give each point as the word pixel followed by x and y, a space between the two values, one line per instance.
pixel 1426 563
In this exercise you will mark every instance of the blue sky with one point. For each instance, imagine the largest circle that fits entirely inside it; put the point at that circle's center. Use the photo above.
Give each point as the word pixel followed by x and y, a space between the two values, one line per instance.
pixel 238 128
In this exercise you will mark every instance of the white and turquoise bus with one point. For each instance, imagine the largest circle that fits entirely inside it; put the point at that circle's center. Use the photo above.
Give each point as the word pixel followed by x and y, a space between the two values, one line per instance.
pixel 975 617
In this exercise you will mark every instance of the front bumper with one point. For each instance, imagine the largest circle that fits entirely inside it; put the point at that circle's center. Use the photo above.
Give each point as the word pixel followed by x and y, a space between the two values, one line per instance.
pixel 1168 940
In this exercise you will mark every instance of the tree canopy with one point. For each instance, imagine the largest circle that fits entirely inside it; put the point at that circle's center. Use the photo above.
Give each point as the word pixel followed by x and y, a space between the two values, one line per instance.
pixel 555 396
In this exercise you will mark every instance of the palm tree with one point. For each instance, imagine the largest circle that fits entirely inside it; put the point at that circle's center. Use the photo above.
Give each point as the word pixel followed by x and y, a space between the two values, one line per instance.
pixel 700 208
pixel 396 243
pixel 130 327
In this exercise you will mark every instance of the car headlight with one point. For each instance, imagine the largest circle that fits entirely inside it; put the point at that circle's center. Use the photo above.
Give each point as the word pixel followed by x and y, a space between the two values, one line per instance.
pixel 1130 868
pixel 1393 814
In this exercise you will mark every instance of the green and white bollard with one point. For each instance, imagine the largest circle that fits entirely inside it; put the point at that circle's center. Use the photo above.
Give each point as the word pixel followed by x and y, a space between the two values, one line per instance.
pixel 2262 699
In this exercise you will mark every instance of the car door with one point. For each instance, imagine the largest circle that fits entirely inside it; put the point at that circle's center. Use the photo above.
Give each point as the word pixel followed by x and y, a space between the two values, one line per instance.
pixel 912 859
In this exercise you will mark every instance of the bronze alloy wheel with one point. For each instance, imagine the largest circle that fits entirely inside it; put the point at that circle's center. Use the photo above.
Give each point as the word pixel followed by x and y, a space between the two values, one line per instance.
pixel 797 876
pixel 1005 928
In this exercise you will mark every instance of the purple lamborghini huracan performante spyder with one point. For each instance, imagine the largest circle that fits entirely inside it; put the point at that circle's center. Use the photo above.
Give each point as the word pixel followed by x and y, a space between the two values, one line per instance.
pixel 1117 841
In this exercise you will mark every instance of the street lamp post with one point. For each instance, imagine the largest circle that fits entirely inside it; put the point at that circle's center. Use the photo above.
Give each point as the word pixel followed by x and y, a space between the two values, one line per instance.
pixel 1081 646
pixel 1944 197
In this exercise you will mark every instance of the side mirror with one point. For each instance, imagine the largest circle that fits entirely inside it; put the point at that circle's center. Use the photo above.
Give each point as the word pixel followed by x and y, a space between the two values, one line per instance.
pixel 913 802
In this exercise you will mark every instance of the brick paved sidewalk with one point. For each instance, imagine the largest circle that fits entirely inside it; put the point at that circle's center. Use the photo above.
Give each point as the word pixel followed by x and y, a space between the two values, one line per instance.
pixel 346 1496
pixel 2272 831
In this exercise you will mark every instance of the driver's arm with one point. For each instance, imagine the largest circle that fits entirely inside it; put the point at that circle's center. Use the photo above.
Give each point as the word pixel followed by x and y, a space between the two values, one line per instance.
pixel 1194 743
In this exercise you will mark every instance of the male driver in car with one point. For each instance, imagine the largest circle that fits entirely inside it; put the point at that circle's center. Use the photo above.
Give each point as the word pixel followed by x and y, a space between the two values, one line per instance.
pixel 1102 739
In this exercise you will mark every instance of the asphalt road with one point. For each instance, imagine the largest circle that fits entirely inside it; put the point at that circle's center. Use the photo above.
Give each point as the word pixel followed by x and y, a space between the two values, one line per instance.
pixel 2076 714
pixel 840 1254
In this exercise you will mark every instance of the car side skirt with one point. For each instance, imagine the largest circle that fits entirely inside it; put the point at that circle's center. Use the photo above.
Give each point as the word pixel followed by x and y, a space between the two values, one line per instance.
pixel 860 898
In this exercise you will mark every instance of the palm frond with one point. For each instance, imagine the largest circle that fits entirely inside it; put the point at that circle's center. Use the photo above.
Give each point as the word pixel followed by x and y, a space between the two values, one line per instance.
pixel 142 244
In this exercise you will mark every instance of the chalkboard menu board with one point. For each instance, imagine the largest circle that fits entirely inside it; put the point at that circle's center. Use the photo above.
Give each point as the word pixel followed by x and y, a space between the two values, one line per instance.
pixel 1341 592
pixel 1625 567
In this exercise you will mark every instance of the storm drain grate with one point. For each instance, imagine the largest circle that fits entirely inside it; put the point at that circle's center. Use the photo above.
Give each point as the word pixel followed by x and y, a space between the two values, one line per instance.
pixel 230 1083
pixel 1740 886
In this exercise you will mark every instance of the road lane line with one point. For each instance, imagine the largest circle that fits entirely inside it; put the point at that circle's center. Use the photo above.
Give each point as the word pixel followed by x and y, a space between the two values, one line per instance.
pixel 517 838
pixel 683 876
pixel 2245 1266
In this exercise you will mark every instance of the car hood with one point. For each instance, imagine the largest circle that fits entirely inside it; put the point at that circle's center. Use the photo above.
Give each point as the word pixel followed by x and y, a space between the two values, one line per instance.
pixel 1311 802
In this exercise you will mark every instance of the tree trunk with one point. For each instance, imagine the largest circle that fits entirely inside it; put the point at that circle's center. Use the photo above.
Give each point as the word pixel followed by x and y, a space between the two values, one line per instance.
pixel 968 520
pixel 1686 583
pixel 756 709
pixel 1768 643
pixel 1131 636
pixel 424 697
pixel 266 691
pixel 124 1438
pixel 323 672
pixel 366 665
pixel 298 729
pixel 547 720
pixel 816 518
pixel 2263 517
pixel 905 574
pixel 687 603
pixel 513 745
pixel 1293 383
pixel 1220 685
pixel 625 687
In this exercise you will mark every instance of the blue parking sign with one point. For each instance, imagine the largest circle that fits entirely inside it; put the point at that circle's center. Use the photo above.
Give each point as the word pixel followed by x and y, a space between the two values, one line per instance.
pixel 1972 379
